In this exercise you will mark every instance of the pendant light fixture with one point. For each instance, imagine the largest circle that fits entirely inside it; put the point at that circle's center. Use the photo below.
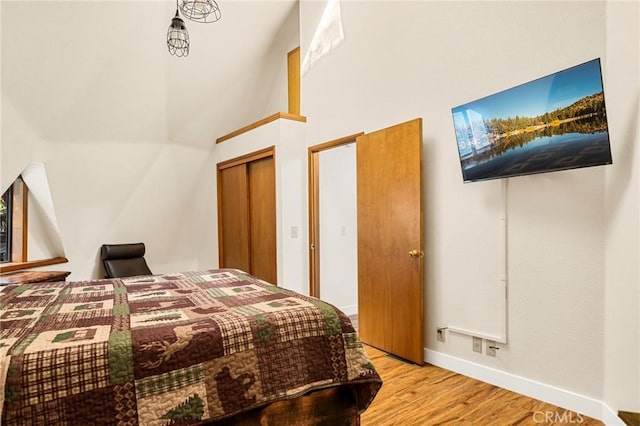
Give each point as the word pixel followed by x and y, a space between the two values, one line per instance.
pixel 203 11
pixel 178 36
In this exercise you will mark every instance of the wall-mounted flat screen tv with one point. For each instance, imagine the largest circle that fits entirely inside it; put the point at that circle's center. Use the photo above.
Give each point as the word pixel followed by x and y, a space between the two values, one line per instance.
pixel 557 122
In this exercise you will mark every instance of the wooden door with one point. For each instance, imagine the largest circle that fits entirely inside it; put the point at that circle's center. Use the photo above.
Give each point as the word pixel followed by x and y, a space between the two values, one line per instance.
pixel 262 219
pixel 390 257
pixel 247 214
pixel 233 214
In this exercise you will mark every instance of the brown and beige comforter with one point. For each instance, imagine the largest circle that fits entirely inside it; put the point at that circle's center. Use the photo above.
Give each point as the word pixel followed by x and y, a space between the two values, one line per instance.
pixel 168 349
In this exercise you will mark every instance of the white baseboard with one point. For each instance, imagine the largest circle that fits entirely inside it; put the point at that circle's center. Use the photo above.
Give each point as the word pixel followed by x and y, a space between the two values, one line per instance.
pixel 349 309
pixel 576 403
pixel 610 417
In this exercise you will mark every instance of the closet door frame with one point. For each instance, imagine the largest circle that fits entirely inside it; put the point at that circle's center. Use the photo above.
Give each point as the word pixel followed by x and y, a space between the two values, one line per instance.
pixel 244 159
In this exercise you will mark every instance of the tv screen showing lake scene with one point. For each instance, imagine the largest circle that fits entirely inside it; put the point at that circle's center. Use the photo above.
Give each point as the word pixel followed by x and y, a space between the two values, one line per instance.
pixel 557 122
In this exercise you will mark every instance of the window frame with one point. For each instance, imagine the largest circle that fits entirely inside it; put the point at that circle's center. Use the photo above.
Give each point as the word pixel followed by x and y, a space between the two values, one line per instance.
pixel 19 236
pixel 19 216
pixel 8 196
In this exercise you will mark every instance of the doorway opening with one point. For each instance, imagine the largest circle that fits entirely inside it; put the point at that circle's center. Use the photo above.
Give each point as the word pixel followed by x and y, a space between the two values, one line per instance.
pixel 389 258
pixel 332 222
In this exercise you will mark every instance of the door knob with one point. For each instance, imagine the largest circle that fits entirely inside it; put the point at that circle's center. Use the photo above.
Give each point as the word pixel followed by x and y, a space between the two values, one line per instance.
pixel 416 253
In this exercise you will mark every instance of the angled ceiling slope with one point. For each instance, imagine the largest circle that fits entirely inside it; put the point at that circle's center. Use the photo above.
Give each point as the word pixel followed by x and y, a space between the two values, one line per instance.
pixel 86 82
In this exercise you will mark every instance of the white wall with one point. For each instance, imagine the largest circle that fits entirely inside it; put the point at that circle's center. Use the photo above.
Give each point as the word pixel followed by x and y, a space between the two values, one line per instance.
pixel 285 41
pixel 400 60
pixel 338 228
pixel 291 165
pixel 126 132
pixel 621 296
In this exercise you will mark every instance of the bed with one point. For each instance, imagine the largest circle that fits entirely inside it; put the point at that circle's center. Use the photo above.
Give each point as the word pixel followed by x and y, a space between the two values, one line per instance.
pixel 211 347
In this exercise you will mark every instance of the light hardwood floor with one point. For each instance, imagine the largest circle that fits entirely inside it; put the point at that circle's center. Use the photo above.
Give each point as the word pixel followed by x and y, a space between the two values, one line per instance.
pixel 428 395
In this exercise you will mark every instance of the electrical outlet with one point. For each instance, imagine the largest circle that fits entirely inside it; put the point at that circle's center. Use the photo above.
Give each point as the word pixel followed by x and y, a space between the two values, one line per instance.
pixel 440 334
pixel 491 348
pixel 477 344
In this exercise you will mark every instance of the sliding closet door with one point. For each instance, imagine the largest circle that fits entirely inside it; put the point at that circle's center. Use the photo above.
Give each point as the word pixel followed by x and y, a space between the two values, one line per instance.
pixel 234 209
pixel 247 214
pixel 262 217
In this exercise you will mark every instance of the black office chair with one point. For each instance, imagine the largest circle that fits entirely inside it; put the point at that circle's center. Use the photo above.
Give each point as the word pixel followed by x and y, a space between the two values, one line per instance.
pixel 124 260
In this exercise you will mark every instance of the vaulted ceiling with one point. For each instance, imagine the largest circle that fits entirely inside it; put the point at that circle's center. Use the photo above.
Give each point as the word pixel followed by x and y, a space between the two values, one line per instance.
pixel 83 71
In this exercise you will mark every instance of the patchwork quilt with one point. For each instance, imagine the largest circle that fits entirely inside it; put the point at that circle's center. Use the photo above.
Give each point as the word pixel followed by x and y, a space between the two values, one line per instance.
pixel 168 349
